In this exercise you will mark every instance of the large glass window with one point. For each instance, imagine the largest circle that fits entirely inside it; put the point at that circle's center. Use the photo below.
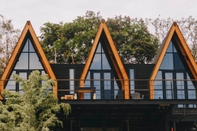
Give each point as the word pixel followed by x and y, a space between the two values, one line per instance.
pixel 132 83
pixel 100 60
pixel 72 82
pixel 100 76
pixel 28 60
pixel 158 86
pixel 173 81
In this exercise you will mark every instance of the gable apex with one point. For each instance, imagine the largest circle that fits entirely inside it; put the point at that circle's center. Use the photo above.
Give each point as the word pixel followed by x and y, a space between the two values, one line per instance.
pixel 28 30
pixel 175 35
pixel 114 57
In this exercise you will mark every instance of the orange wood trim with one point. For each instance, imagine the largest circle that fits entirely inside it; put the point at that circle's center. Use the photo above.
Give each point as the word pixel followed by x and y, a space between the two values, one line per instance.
pixel 118 63
pixel 184 50
pixel 9 67
pixel 43 58
pixel 162 54
pixel 115 64
pixel 187 53
pixel 1 88
pixel 151 89
pixel 12 59
pixel 91 55
pixel 160 59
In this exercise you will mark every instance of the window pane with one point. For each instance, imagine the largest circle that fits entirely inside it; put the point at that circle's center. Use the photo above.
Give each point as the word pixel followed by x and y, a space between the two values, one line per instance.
pixel 34 61
pixel 105 62
pixel 87 81
pixel 115 88
pixel 180 86
pixel 98 50
pixel 107 81
pixel 158 88
pixel 25 49
pixel 167 62
pixel 177 62
pixel 72 82
pixel 97 78
pixel 158 94
pixel 169 86
pixel 96 63
pixel 132 85
pixel 22 63
pixel 191 88
pixel 31 48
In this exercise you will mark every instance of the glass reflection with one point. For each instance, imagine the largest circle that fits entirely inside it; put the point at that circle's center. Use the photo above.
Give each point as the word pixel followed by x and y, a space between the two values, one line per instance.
pixel 169 86
pixel 22 62
pixel 105 63
pixel 107 81
pixel 97 84
pixel 96 63
pixel 167 62
pixel 180 86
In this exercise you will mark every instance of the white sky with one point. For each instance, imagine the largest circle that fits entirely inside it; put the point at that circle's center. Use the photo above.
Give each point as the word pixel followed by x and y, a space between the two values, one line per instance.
pixel 55 11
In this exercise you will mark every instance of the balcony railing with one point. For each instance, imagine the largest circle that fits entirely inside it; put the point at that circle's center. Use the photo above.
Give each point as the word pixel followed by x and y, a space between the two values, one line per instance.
pixel 113 89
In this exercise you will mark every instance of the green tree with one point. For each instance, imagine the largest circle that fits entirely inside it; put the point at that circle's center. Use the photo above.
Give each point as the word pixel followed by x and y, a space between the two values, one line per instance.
pixel 33 110
pixel 72 41
pixel 132 39
pixel 8 38
pixel 188 27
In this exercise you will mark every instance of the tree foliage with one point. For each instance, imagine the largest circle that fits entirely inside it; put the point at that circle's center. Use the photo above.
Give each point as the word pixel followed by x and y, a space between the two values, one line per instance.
pixel 132 39
pixel 8 38
pixel 33 110
pixel 188 27
pixel 72 41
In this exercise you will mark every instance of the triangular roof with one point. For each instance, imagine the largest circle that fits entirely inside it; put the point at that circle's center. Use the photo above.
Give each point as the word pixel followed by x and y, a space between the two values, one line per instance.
pixel 28 30
pixel 174 33
pixel 114 57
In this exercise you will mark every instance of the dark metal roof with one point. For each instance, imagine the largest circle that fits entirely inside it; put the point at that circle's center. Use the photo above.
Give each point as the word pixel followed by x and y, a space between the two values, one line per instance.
pixel 142 71
pixel 62 70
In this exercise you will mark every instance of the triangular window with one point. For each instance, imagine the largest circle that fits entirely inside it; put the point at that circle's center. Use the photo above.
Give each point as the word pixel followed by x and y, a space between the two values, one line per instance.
pixel 173 81
pixel 171 59
pixel 27 61
pixel 100 61
pixel 28 58
pixel 100 76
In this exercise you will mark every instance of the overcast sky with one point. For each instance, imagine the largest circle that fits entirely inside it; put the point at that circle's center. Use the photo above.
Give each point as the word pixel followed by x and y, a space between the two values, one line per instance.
pixel 55 11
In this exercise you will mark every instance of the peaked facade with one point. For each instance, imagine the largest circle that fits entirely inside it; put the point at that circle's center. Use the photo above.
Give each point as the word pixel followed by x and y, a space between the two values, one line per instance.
pixel 104 39
pixel 118 96
pixel 174 43
pixel 26 57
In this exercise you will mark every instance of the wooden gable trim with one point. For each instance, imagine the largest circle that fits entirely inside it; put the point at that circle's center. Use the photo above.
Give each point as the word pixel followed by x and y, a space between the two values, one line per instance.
pixel 115 58
pixel 186 53
pixel 91 55
pixel 184 50
pixel 117 63
pixel 28 28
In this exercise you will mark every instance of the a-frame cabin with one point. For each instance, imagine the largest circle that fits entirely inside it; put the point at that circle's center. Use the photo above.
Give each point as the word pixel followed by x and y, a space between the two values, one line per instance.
pixel 104 45
pixel 174 58
pixel 27 56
